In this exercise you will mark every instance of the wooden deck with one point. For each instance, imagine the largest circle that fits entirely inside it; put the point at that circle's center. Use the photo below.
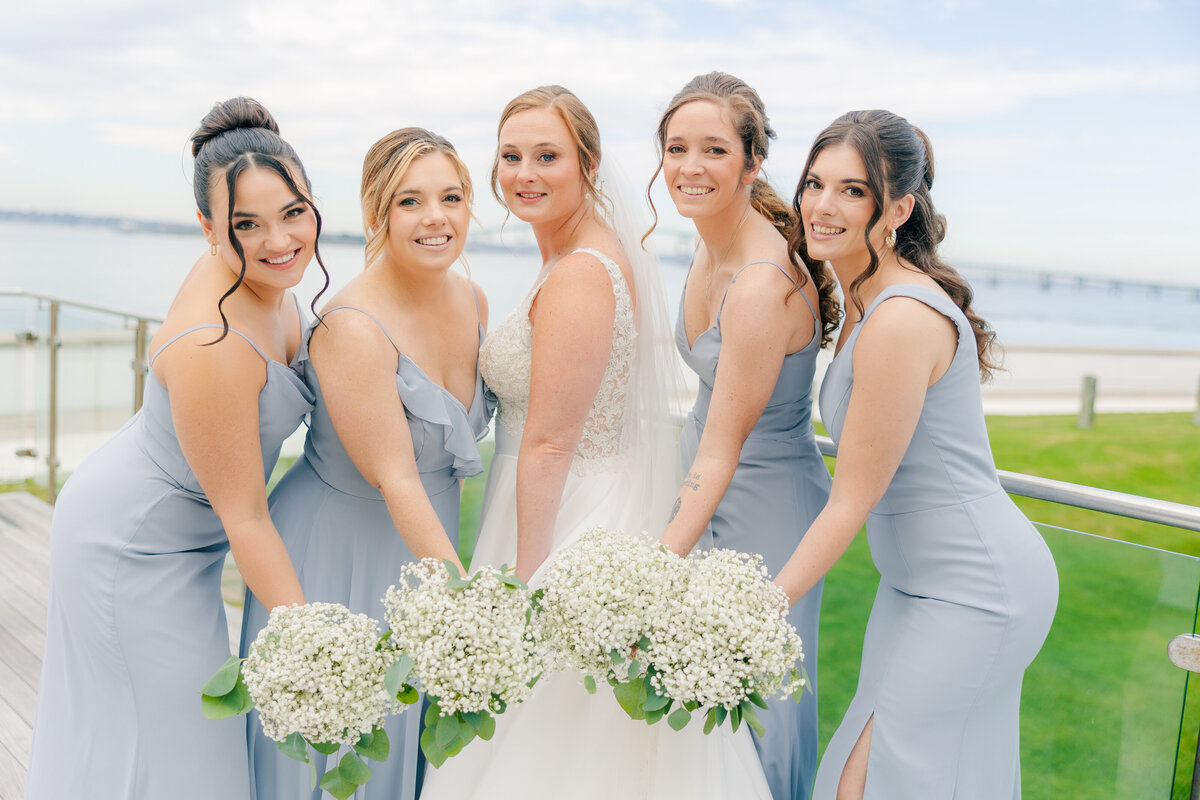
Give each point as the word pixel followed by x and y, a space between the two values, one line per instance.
pixel 24 586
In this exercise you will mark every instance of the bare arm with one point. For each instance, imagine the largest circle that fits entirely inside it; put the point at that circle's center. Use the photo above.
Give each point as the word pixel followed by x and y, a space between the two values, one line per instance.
pixel 756 327
pixel 572 339
pixel 214 407
pixel 903 348
pixel 357 368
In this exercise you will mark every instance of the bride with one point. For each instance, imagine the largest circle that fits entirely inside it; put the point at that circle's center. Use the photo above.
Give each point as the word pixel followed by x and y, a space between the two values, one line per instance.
pixel 584 438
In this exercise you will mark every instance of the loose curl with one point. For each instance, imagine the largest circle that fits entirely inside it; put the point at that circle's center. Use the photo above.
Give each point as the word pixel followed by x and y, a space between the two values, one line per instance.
pixel 385 166
pixel 585 133
pixel 234 136
pixel 748 115
pixel 898 158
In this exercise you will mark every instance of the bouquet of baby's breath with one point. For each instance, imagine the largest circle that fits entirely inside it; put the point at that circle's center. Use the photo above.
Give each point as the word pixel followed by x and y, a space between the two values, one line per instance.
pixel 316 675
pixel 724 644
pixel 469 644
pixel 599 603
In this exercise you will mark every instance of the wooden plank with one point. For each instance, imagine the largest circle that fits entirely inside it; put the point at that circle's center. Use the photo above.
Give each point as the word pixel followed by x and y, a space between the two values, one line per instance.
pixel 16 735
pixel 23 630
pixel 25 664
pixel 12 776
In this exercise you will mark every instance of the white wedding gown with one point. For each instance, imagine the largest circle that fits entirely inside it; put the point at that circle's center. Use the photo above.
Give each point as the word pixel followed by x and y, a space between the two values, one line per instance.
pixel 564 742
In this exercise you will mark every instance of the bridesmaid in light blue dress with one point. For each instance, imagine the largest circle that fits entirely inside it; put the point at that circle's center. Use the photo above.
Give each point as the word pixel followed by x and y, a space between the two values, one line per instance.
pixel 968 588
pixel 751 322
pixel 399 407
pixel 136 623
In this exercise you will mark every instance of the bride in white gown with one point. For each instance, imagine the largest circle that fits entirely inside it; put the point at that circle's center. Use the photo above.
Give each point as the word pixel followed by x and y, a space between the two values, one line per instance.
pixel 584 438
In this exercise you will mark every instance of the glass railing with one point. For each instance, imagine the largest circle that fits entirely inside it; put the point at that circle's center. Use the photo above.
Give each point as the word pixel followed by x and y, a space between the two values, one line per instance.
pixel 75 372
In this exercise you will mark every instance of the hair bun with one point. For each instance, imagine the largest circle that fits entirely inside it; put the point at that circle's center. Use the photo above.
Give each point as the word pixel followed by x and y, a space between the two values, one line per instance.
pixel 238 112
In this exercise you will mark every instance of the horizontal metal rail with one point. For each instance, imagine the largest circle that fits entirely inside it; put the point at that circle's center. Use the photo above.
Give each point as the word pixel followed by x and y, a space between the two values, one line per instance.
pixel 1091 498
pixel 9 291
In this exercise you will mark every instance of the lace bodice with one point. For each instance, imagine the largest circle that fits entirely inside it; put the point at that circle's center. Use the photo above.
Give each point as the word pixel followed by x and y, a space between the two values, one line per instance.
pixel 505 362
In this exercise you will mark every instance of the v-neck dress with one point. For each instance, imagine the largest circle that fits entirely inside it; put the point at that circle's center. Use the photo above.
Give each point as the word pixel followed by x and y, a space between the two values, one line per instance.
pixel 345 548
pixel 966 595
pixel 136 623
pixel 780 485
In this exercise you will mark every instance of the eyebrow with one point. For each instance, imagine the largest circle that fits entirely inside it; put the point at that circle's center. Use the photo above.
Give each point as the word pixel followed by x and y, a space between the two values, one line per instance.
pixel 861 181
pixel 718 139
pixel 553 145
pixel 454 188
pixel 248 215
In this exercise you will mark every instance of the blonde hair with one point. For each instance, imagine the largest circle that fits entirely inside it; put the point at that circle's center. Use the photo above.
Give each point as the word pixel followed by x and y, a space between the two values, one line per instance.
pixel 385 166
pixel 585 133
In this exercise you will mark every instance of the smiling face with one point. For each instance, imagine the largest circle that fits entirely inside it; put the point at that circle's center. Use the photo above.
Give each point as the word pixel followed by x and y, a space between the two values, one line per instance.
pixel 704 161
pixel 276 229
pixel 537 167
pixel 428 216
pixel 836 207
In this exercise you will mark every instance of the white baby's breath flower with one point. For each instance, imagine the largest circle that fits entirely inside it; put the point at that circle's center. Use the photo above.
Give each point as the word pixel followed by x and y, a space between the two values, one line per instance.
pixel 469 639
pixel 318 670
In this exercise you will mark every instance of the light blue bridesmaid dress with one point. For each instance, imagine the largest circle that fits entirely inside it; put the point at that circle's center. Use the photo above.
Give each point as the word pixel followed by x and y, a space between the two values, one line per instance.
pixel 780 485
pixel 967 593
pixel 346 550
pixel 136 624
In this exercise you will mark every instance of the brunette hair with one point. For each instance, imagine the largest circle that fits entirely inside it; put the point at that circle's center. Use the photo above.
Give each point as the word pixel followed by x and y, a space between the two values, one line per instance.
pixel 234 136
pixel 748 115
pixel 385 166
pixel 898 159
pixel 580 123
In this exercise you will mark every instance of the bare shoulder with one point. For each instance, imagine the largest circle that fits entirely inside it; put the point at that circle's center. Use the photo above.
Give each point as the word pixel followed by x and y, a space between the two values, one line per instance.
pixel 578 274
pixel 903 323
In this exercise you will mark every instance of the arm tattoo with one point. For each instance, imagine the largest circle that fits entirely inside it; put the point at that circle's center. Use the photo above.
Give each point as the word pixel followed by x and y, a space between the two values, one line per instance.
pixel 675 508
pixel 692 481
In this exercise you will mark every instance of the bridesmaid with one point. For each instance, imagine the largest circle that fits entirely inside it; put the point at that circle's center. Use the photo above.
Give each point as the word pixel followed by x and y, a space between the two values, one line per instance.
pixel 968 588
pixel 751 322
pixel 399 407
pixel 136 623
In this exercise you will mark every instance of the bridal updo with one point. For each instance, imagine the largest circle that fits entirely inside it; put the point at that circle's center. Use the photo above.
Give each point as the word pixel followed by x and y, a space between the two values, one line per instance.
pixel 385 166
pixel 234 136
pixel 580 123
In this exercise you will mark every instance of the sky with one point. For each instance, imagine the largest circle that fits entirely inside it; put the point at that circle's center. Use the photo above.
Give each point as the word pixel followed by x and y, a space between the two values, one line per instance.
pixel 1066 134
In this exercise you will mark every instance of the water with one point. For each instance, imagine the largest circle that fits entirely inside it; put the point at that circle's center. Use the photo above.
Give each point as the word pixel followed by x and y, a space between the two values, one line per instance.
pixel 140 272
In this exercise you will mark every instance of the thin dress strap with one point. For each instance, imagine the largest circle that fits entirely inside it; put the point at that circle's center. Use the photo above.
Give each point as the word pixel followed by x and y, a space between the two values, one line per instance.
pixel 171 341
pixel 370 316
pixel 742 269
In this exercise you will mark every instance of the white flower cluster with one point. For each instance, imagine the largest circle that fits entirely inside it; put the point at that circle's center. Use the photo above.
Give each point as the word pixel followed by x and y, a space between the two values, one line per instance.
pixel 317 670
pixel 602 595
pixel 724 634
pixel 469 638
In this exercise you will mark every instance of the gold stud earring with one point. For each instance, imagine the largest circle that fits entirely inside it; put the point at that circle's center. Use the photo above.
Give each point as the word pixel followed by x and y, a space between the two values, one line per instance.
pixel 213 249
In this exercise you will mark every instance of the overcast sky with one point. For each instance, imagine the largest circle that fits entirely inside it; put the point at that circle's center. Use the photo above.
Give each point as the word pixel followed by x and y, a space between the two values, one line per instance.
pixel 1067 134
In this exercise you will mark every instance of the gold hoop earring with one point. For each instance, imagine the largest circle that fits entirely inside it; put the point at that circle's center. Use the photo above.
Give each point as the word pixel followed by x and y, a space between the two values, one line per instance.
pixel 213 249
pixel 890 239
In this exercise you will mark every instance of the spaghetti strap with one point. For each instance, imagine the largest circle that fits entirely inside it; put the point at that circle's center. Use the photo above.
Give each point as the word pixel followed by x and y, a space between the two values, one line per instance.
pixel 478 310
pixel 370 316
pixel 183 333
pixel 741 269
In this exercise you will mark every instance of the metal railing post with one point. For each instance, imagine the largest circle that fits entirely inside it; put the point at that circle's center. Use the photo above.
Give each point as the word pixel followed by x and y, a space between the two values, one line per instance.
pixel 1087 403
pixel 139 363
pixel 52 448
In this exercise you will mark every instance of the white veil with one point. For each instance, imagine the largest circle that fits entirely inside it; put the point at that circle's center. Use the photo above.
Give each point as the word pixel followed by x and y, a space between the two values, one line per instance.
pixel 656 386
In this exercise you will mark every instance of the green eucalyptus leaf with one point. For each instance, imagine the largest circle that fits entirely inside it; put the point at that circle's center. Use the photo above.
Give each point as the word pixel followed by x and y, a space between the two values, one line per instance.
pixel 383 639
pixel 472 718
pixel 710 720
pixel 679 719
pixel 447 731
pixel 513 582
pixel 433 754
pixel 397 674
pixel 432 713
pixel 751 717
pixel 757 699
pixel 498 705
pixel 458 583
pixel 656 702
pixel 236 701
pixel 455 748
pixel 325 748
pixel 334 783
pixel 630 696
pixel 643 643
pixel 224 679
pixel 589 683
pixel 295 747
pixel 691 705
pixel 615 656
pixel 354 769
pixel 466 734
pixel 408 695
pixel 374 745
pixel 654 716
pixel 452 568
pixel 735 718
pixel 722 713
pixel 634 669
pixel 487 728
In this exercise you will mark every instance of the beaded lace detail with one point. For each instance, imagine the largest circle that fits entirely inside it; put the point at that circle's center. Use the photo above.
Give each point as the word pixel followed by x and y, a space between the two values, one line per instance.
pixel 505 361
